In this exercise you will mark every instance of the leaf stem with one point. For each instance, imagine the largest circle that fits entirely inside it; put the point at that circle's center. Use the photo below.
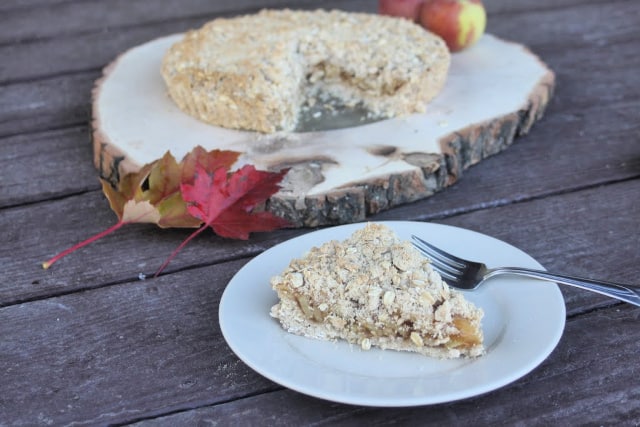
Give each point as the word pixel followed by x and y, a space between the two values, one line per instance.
pixel 82 244
pixel 179 248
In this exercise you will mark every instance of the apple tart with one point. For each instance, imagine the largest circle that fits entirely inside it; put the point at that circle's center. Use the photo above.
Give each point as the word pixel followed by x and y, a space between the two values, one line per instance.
pixel 257 72
pixel 374 289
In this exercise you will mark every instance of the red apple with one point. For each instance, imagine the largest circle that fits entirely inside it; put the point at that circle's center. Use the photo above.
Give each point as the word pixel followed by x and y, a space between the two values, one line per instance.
pixel 459 22
pixel 409 9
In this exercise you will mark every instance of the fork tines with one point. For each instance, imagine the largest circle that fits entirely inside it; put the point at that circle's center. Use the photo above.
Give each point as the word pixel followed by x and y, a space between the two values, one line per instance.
pixel 444 263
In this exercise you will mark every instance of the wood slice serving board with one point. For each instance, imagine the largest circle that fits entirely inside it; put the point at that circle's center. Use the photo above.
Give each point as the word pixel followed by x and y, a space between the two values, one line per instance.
pixel 495 91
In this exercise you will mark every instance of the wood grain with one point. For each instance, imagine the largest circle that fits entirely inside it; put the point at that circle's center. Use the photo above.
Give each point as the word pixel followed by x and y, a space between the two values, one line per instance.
pixel 123 256
pixel 120 353
pixel 564 242
pixel 559 136
pixel 86 342
pixel 534 399
pixel 63 101
pixel 54 101
pixel 100 17
pixel 68 52
pixel 353 179
pixel 47 104
pixel 31 165
pixel 133 350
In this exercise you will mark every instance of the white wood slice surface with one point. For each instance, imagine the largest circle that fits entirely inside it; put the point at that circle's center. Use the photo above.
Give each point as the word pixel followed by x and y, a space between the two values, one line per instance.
pixel 495 91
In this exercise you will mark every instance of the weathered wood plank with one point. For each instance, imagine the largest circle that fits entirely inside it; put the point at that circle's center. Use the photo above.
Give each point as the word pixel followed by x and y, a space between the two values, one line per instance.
pixel 562 391
pixel 78 53
pixel 560 137
pixel 563 129
pixel 120 353
pixel 583 233
pixel 53 103
pixel 123 256
pixel 72 18
pixel 144 349
pixel 139 350
pixel 567 28
pixel 46 165
pixel 67 221
pixel 568 150
pixel 500 9
pixel 59 101
pixel 563 225
pixel 11 5
pixel 557 136
pixel 73 53
pixel 64 17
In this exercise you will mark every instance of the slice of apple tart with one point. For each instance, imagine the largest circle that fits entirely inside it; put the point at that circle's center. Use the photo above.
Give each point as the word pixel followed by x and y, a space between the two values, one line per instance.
pixel 373 289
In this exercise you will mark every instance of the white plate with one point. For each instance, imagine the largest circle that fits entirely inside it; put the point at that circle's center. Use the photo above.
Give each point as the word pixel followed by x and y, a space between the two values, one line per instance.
pixel 523 322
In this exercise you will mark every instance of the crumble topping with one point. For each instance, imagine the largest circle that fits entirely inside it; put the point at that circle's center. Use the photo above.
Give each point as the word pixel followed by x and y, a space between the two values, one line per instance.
pixel 257 72
pixel 374 289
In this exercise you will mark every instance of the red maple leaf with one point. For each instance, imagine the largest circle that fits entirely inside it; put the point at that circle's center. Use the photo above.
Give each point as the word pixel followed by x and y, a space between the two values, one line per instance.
pixel 230 203
pixel 226 202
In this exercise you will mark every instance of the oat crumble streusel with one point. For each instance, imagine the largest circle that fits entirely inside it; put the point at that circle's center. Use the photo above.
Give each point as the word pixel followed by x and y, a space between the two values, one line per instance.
pixel 257 71
pixel 374 289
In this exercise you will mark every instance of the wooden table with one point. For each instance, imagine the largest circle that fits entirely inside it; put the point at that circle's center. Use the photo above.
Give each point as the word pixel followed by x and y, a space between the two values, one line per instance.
pixel 88 342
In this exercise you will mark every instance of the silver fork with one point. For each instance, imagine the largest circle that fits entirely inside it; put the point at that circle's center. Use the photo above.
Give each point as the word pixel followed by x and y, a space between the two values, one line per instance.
pixel 464 274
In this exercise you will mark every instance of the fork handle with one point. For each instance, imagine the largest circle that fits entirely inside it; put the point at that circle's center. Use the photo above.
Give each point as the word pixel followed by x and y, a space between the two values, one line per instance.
pixel 627 293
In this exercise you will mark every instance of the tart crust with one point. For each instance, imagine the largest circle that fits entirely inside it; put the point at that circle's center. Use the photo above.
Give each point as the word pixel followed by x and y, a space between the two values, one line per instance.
pixel 256 72
pixel 374 289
